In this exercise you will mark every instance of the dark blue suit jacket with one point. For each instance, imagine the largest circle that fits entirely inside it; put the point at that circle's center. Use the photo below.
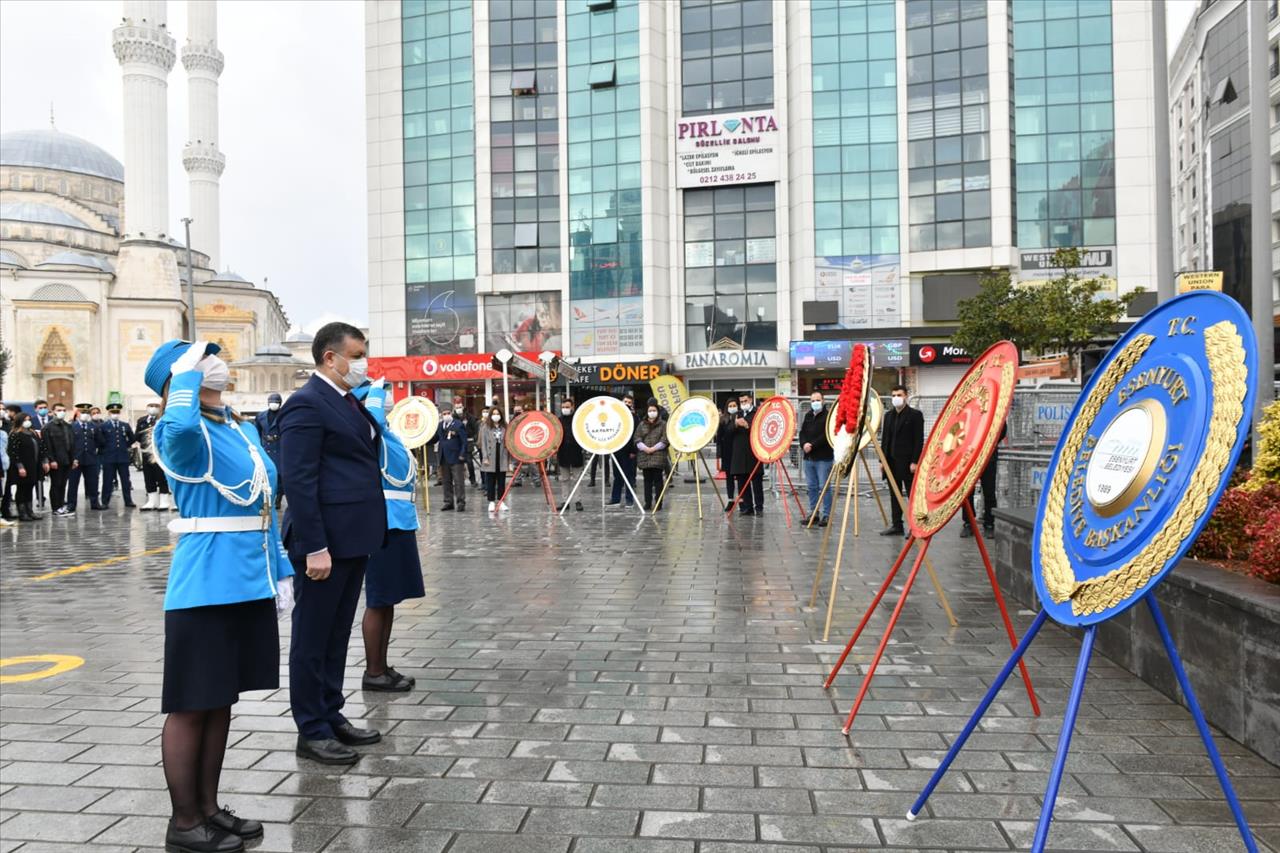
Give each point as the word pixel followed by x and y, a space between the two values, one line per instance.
pixel 89 442
pixel 332 475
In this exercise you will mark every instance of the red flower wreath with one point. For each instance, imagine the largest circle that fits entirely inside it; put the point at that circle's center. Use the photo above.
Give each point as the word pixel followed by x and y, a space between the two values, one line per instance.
pixel 849 412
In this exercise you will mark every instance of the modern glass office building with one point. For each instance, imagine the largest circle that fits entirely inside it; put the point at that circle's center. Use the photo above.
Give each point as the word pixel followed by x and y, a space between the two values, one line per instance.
pixel 735 190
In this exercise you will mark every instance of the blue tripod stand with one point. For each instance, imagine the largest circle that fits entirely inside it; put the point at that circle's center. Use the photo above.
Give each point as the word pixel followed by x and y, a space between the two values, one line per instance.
pixel 1069 721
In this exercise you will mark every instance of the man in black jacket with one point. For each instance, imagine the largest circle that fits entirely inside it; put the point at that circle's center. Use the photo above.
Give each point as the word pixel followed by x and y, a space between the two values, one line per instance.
pixel 736 433
pixel 58 439
pixel 902 440
pixel 818 456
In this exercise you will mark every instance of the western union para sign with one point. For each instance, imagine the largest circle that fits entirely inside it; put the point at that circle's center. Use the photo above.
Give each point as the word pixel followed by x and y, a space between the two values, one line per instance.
pixel 1189 281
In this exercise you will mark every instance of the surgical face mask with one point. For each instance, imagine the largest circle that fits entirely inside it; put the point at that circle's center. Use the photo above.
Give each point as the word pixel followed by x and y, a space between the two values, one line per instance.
pixel 62 416
pixel 898 402
pixel 457 410
pixel 84 418
pixel 495 417
pixel 653 413
pixel 216 373
pixel 733 410
pixel 42 411
pixel 153 410
pixel 357 371
pixel 746 407
pixel 115 416
pixel 273 406
pixel 566 410
pixel 26 424
pixel 816 405
pixel 97 416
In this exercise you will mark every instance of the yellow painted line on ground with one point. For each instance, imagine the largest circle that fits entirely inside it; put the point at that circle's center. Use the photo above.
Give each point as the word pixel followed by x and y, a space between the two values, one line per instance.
pixel 59 664
pixel 84 567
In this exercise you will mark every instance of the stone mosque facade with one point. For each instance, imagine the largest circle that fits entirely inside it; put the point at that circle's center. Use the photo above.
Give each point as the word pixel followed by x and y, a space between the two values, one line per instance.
pixel 90 279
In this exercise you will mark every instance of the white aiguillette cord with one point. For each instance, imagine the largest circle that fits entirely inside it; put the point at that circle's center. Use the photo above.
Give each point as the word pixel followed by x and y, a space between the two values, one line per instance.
pixel 259 484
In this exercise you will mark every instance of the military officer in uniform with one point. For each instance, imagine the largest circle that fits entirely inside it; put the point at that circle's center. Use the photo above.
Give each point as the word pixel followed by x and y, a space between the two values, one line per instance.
pixel 157 486
pixel 117 439
pixel 268 424
pixel 86 458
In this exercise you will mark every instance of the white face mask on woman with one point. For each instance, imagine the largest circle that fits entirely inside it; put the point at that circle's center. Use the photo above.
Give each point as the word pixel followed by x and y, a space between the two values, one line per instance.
pixel 216 373
pixel 153 410
pixel 653 414
pixel 495 417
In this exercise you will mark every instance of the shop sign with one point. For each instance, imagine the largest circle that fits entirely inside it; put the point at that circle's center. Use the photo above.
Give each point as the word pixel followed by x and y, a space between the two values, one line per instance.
pixel 833 355
pixel 935 354
pixel 1189 281
pixel 620 372
pixel 729 358
pixel 728 148
pixel 462 367
pixel 1097 262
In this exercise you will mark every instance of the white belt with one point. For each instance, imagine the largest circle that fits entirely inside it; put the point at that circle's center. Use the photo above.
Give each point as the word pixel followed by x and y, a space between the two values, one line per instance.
pixel 397 496
pixel 226 524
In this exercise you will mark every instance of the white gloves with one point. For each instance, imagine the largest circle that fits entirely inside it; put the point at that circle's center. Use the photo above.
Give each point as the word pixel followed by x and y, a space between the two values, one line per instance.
pixel 378 384
pixel 189 359
pixel 284 597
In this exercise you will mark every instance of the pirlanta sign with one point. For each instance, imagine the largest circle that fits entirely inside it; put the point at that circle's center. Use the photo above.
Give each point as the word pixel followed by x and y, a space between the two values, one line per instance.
pixel 729 148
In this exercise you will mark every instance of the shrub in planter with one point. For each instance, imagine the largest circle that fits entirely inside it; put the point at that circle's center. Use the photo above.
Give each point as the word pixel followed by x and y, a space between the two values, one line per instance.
pixel 1264 557
pixel 1243 526
pixel 1266 462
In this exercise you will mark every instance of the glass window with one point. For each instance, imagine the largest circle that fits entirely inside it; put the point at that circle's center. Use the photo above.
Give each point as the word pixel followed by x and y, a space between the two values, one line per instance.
pixel 601 74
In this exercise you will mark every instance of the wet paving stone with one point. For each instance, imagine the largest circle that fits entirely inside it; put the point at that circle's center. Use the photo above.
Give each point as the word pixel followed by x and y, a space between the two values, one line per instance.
pixel 606 683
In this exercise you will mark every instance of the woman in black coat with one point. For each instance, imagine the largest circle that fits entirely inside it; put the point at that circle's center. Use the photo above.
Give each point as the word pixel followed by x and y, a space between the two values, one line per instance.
pixel 26 464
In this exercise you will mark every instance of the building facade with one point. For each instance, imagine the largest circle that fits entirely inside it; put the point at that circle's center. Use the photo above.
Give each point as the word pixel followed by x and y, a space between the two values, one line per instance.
pixel 1209 97
pixel 740 189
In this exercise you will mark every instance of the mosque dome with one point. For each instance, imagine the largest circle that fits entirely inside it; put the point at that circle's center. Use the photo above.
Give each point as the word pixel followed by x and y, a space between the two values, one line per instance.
pixel 53 149
pixel 227 277
pixel 38 213
pixel 11 259
pixel 76 259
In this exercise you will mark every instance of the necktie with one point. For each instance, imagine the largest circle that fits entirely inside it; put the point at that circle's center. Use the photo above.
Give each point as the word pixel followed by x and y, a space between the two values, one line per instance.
pixel 351 400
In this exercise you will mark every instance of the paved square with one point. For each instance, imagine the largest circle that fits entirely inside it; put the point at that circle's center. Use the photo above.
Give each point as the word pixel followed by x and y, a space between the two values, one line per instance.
pixel 605 684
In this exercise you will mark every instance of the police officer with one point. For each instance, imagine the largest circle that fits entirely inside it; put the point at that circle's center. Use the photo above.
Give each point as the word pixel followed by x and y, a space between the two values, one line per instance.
pixel 268 424
pixel 157 486
pixel 117 439
pixel 86 452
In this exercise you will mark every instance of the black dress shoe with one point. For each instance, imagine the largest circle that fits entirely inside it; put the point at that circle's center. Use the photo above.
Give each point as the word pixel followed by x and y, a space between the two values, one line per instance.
pixel 577 505
pixel 447 508
pixel 388 682
pixel 891 531
pixel 988 529
pixel 965 532
pixel 352 736
pixel 824 521
pixel 462 508
pixel 201 838
pixel 747 511
pixel 326 751
pixel 226 820
pixel 409 678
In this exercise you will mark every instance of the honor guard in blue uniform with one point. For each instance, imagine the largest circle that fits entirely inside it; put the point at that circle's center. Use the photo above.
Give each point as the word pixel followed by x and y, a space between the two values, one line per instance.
pixel 86 458
pixel 117 439
pixel 394 572
pixel 228 578
pixel 268 424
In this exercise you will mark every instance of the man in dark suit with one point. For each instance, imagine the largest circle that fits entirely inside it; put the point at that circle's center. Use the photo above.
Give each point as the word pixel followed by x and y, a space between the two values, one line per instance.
pixel 58 438
pixel 902 440
pixel 85 459
pixel 329 453
pixel 736 433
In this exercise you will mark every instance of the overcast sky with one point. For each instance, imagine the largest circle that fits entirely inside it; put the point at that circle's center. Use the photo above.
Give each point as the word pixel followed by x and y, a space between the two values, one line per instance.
pixel 291 109
pixel 292 128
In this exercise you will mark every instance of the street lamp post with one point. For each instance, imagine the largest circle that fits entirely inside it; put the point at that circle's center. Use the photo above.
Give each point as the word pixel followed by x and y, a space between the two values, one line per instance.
pixel 191 285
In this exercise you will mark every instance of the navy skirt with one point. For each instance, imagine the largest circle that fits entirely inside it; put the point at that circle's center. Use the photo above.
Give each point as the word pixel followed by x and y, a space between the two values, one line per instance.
pixel 394 573
pixel 213 654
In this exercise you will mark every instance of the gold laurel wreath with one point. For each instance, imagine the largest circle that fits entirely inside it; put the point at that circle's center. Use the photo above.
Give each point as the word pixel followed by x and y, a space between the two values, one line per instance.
pixel 1224 350
pixel 929 520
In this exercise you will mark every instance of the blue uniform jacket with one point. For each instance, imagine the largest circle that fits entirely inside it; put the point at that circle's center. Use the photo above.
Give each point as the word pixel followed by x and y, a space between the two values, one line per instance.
pixel 268 424
pixel 87 444
pixel 401 514
pixel 332 475
pixel 451 442
pixel 216 568
pixel 116 438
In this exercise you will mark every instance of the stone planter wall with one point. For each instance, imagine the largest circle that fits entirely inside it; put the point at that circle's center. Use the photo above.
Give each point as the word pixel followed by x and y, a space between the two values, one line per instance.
pixel 1226 627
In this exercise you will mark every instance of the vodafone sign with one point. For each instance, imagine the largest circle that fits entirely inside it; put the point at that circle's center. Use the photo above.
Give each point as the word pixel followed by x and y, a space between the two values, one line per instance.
pixel 462 367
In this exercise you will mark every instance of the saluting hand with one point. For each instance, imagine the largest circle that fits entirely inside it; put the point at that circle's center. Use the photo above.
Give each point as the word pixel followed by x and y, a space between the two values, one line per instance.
pixel 319 565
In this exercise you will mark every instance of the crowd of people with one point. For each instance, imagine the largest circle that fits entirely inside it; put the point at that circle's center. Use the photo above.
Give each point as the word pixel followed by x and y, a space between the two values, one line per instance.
pixel 349 526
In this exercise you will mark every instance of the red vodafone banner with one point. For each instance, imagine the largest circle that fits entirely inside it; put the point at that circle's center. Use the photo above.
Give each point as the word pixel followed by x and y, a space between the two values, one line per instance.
pixel 461 367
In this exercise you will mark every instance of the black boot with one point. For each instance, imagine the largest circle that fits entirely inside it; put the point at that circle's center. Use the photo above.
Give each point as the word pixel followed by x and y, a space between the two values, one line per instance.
pixel 6 511
pixel 25 513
